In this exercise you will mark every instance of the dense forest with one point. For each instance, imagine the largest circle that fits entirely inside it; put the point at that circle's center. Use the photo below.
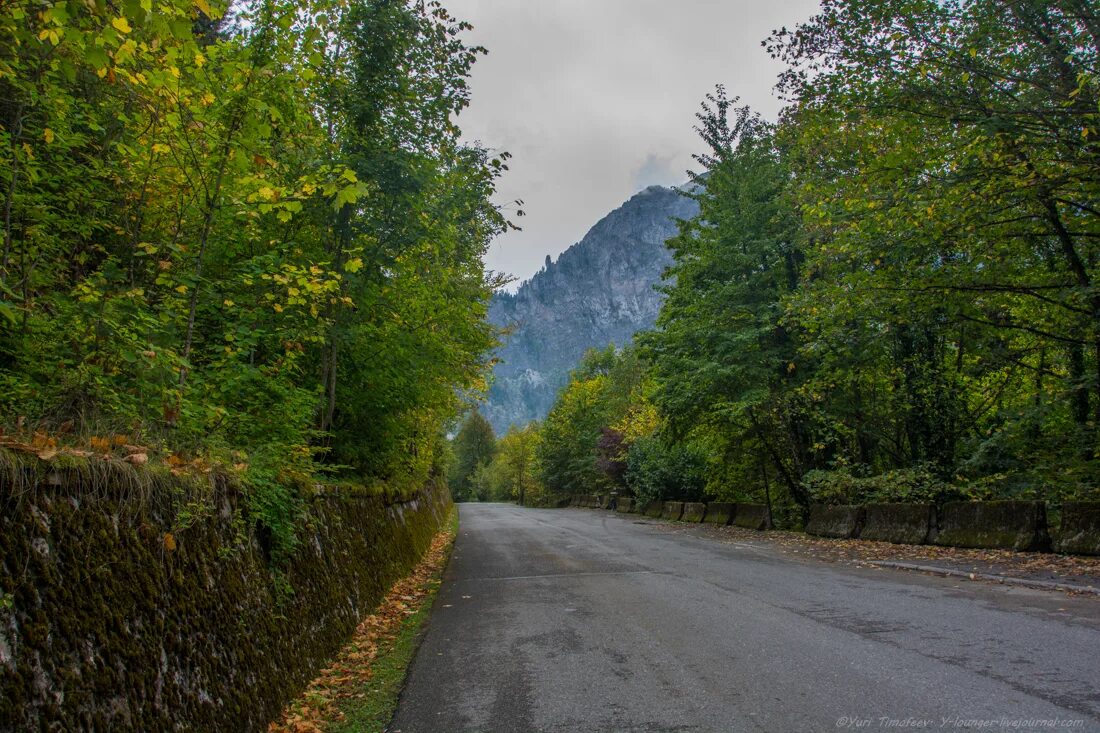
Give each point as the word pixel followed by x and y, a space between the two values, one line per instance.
pixel 249 238
pixel 888 294
pixel 253 237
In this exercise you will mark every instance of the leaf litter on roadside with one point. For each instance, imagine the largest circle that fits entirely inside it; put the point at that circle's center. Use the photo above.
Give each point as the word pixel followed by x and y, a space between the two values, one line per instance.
pixel 350 674
pixel 1072 569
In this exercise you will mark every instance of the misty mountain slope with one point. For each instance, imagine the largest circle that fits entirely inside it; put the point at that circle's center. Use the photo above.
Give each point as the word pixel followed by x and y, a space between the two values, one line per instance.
pixel 600 291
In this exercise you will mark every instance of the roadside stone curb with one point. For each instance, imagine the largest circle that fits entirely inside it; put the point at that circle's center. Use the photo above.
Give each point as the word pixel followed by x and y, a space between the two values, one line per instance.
pixel 1003 579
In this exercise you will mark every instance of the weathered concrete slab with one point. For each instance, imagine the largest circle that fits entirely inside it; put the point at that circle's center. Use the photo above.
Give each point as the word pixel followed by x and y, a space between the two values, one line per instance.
pixel 719 512
pixel 693 511
pixel 903 524
pixel 842 521
pixel 1015 525
pixel 1079 532
pixel 654 508
pixel 752 516
pixel 673 510
pixel 626 505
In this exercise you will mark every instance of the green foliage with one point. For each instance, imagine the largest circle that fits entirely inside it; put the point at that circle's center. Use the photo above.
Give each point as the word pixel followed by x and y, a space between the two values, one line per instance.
pixel 945 169
pixel 892 290
pixel 891 294
pixel 260 237
pixel 725 365
pixel 659 468
pixel 474 447
pixel 512 475
pixel 601 392
pixel 918 484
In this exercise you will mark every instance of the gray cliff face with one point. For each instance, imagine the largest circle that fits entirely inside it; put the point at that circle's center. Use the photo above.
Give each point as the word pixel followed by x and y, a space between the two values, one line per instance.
pixel 600 291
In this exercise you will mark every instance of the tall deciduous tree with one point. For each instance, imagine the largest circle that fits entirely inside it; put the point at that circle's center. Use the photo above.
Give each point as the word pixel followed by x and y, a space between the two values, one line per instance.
pixel 474 449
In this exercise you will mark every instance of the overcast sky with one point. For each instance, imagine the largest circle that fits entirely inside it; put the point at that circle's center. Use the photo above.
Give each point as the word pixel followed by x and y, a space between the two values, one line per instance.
pixel 596 100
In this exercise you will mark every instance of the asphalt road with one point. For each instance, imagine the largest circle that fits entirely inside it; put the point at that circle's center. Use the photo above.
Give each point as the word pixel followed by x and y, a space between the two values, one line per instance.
pixel 583 620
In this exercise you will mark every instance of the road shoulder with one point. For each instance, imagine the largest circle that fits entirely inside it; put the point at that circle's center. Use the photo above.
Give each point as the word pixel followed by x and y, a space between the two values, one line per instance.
pixel 1071 574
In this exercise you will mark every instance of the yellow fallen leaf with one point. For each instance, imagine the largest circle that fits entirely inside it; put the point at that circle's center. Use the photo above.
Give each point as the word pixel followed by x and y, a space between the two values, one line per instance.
pixel 47 135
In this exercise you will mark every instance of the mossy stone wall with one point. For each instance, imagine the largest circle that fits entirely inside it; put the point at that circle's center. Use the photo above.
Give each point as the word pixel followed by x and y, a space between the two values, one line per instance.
pixel 673 510
pixel 693 511
pixel 910 524
pixel 1080 528
pixel 1014 525
pixel 752 516
pixel 719 512
pixel 121 612
pixel 835 520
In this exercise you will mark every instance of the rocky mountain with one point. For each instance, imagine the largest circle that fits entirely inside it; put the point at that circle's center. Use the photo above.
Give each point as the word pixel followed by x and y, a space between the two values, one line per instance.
pixel 600 291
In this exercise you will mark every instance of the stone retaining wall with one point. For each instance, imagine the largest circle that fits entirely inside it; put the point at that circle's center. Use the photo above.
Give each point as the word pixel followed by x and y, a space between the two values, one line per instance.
pixel 1079 531
pixel 752 516
pixel 720 513
pixel 137 602
pixel 835 520
pixel 693 511
pixel 907 524
pixel 672 510
pixel 1015 525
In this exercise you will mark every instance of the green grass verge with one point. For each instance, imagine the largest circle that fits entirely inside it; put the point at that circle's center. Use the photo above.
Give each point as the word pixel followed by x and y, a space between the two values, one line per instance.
pixel 374 711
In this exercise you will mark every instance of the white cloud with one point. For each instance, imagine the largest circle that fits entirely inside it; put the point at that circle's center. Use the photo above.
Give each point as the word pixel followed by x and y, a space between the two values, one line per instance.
pixel 597 98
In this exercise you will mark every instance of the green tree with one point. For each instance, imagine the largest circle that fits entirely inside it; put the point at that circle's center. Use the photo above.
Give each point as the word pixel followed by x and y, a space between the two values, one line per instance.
pixel 946 160
pixel 260 242
pixel 474 449
pixel 512 475
pixel 601 392
pixel 724 361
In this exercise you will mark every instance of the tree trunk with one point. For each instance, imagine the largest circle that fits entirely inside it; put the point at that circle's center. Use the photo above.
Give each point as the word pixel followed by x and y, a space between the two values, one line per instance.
pixel 9 197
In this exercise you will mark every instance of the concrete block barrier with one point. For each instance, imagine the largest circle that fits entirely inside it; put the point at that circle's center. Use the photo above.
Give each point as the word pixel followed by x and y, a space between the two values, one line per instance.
pixel 752 516
pixel 840 521
pixel 654 509
pixel 1015 525
pixel 626 505
pixel 694 511
pixel 720 513
pixel 903 524
pixel 673 510
pixel 1079 531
